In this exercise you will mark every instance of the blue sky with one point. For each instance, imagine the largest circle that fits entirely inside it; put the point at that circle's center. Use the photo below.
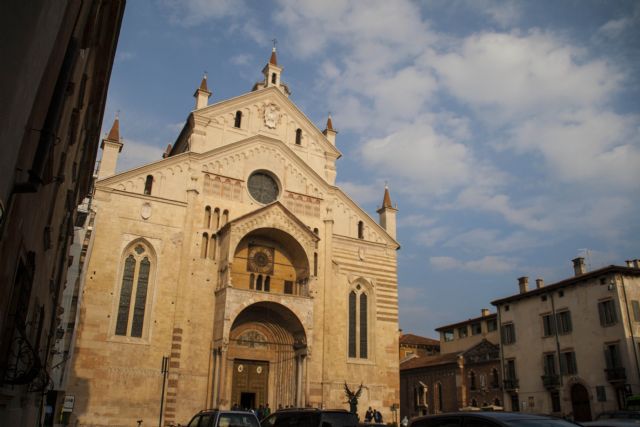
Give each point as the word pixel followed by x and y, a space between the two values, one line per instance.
pixel 508 131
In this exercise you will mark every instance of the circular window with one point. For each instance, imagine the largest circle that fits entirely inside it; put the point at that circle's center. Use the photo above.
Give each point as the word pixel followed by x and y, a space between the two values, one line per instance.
pixel 263 187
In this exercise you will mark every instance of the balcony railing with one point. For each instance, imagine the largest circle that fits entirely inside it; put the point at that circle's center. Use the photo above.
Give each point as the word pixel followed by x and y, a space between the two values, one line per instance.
pixel 550 381
pixel 510 384
pixel 615 375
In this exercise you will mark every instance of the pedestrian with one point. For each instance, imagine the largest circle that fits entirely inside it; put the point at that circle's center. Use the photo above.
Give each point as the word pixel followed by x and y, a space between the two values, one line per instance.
pixel 377 416
pixel 405 421
pixel 368 416
pixel 267 410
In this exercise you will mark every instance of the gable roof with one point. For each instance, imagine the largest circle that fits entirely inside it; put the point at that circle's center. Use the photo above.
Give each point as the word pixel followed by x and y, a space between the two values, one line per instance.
pixel 271 206
pixel 410 339
pixel 269 91
pixel 427 361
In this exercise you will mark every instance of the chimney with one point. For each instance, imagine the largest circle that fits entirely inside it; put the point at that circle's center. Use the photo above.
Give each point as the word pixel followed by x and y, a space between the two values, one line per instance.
pixel 578 266
pixel 630 263
pixel 485 312
pixel 523 283
pixel 636 263
pixel 539 283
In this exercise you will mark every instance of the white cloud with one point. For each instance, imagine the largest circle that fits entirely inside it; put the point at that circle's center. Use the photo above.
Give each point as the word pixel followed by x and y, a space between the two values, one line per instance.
pixel 485 265
pixel 190 13
pixel 519 74
pixel 136 153
pixel 585 146
pixel 241 59
pixel 362 193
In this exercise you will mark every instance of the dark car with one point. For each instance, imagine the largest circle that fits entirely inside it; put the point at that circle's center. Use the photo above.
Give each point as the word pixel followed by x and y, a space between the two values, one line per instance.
pixel 311 418
pixel 619 415
pixel 489 419
pixel 221 418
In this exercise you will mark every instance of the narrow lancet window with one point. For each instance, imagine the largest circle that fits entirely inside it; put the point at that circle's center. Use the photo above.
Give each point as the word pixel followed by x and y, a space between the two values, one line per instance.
pixel 148 184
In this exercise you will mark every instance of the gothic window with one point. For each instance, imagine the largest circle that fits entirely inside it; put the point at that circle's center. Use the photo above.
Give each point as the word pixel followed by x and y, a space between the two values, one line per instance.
pixel 212 247
pixel 225 218
pixel 252 281
pixel 216 218
pixel 267 284
pixel 148 184
pixel 238 119
pixel 134 288
pixel 360 230
pixel 315 264
pixel 298 136
pixel 207 217
pixel 259 283
pixel 359 323
pixel 204 246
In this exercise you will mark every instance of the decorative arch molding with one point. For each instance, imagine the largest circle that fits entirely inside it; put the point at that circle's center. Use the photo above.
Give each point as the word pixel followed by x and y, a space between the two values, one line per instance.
pixel 573 381
pixel 272 216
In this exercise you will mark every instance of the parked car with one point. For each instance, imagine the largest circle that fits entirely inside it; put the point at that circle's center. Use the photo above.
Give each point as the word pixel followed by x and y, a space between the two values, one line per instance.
pixel 615 419
pixel 619 415
pixel 489 419
pixel 220 418
pixel 311 418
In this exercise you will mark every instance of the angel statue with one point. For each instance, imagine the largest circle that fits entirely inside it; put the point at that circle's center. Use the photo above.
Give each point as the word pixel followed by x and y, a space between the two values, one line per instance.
pixel 352 398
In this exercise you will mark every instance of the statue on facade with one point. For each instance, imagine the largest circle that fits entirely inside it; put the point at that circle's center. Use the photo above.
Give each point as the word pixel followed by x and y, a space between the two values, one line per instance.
pixel 352 398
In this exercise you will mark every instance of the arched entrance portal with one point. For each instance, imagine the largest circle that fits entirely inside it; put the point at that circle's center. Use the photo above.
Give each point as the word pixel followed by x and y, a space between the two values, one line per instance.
pixel 580 403
pixel 268 346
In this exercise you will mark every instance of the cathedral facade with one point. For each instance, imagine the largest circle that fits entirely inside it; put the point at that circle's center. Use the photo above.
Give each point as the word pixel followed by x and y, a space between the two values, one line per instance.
pixel 236 261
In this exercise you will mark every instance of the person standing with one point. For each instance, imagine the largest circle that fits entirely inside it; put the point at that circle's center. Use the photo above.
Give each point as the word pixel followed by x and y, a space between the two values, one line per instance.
pixel 368 416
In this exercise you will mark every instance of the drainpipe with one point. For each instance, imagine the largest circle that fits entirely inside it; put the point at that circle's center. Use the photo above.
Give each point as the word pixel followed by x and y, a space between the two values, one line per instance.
pixel 633 339
pixel 555 323
pixel 501 354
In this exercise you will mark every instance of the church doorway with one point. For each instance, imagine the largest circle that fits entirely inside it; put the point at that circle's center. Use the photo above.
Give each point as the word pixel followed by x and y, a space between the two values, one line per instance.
pixel 250 383
pixel 267 344
pixel 580 403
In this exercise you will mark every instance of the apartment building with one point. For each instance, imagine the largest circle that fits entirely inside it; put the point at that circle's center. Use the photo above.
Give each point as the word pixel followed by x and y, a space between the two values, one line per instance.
pixel 570 348
pixel 465 375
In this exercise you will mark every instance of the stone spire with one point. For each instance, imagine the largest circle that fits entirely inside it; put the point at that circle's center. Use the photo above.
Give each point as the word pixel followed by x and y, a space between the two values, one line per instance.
pixel 329 131
pixel 272 74
pixel 202 94
pixel 111 148
pixel 388 213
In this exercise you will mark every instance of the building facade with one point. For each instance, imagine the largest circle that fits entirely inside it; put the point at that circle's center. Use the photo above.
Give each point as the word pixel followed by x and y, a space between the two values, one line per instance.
pixel 466 375
pixel 238 259
pixel 571 348
pixel 57 59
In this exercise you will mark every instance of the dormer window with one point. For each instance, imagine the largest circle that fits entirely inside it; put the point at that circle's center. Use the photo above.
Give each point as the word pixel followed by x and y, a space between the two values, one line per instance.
pixel 238 120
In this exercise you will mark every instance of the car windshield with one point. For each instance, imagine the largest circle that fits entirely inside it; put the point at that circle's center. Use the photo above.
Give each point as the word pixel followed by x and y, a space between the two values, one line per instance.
pixel 546 422
pixel 238 420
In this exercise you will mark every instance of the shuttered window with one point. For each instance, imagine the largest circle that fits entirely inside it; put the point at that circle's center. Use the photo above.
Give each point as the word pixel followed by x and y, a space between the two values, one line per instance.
pixel 607 312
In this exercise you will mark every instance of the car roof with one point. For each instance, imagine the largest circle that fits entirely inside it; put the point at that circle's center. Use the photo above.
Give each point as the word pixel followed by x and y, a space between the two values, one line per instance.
pixel 492 415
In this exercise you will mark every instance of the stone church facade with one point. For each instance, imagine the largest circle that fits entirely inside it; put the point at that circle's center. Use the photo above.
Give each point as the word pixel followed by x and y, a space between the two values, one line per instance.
pixel 238 258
